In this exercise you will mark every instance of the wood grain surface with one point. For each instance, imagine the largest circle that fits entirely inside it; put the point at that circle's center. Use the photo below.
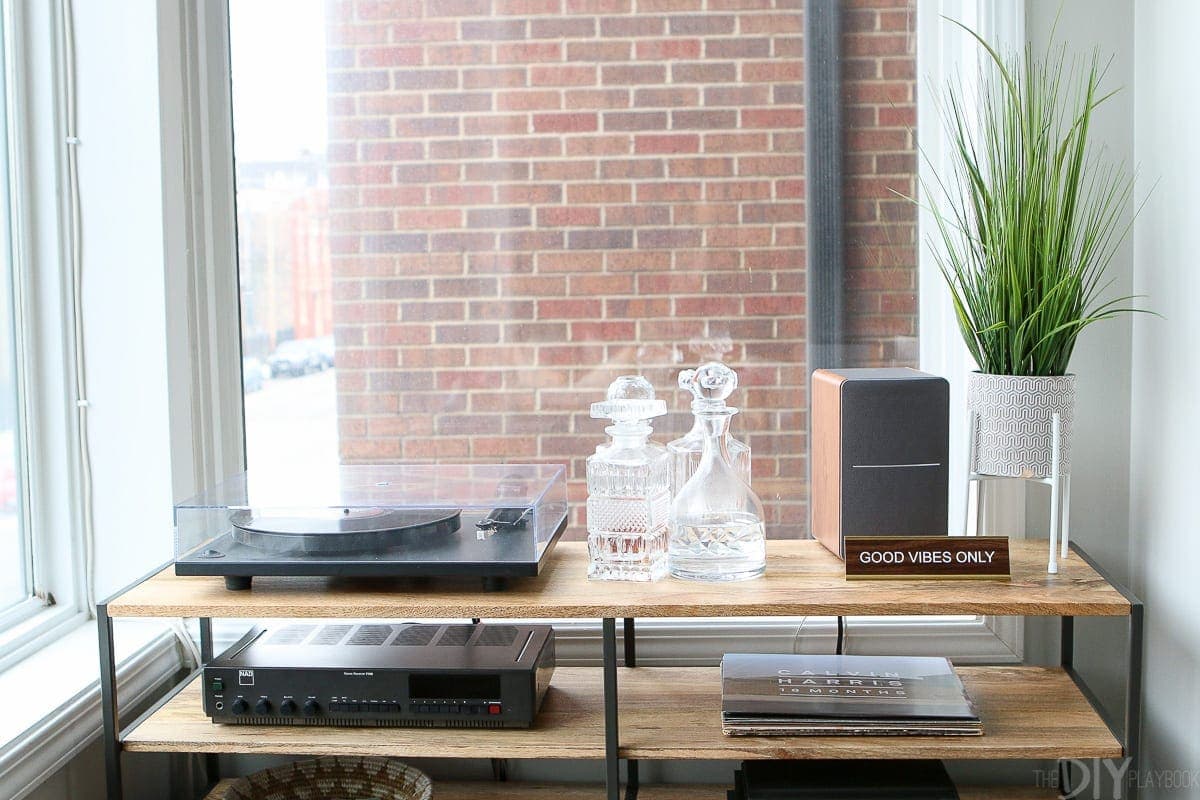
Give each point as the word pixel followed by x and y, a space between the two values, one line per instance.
pixel 668 713
pixel 515 790
pixel 1027 712
pixel 802 578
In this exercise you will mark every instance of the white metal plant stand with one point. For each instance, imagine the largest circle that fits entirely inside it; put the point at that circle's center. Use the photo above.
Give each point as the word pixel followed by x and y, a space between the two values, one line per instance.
pixel 1060 493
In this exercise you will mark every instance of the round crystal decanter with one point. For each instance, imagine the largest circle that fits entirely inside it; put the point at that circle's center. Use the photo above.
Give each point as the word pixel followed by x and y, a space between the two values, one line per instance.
pixel 629 487
pixel 717 531
pixel 709 386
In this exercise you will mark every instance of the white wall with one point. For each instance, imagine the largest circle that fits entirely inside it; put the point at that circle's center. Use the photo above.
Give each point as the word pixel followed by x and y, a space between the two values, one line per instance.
pixel 1166 381
pixel 1102 360
pixel 124 310
pixel 1099 519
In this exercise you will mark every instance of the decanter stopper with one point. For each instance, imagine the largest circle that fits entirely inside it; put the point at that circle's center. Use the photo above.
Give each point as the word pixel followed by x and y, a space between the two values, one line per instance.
pixel 629 403
pixel 710 384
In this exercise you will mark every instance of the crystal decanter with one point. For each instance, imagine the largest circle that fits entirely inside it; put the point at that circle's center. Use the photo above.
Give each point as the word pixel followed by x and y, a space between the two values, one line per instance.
pixel 629 488
pixel 717 531
pixel 718 383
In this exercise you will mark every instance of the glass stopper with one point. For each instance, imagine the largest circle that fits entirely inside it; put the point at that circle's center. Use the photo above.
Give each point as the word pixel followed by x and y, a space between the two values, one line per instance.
pixel 630 400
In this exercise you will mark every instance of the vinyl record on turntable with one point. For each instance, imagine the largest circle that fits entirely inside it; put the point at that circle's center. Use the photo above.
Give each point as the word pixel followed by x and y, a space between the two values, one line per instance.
pixel 341 530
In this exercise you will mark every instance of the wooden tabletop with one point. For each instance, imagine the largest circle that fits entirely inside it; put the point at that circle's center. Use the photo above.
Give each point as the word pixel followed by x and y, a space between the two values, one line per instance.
pixel 668 713
pixel 802 578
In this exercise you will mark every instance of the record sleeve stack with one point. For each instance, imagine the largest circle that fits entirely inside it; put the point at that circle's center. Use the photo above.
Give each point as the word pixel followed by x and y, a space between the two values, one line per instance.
pixel 820 695
pixel 842 780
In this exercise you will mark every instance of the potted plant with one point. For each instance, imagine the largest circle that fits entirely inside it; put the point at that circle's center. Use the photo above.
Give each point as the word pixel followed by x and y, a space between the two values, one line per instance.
pixel 1030 222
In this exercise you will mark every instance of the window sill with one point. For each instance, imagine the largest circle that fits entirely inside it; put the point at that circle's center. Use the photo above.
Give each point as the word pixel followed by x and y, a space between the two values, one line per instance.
pixel 53 696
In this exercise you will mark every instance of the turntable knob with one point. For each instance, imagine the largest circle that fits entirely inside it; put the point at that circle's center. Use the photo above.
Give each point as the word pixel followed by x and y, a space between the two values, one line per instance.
pixel 311 707
pixel 262 707
pixel 239 706
pixel 287 707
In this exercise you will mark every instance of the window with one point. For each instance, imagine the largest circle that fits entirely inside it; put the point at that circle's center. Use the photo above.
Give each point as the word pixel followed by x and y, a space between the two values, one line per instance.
pixel 494 207
pixel 491 208
pixel 16 565
pixel 41 571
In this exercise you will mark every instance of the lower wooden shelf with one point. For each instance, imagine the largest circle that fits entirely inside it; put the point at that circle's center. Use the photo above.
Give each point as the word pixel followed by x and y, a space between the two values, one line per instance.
pixel 1027 712
pixel 482 790
pixel 668 713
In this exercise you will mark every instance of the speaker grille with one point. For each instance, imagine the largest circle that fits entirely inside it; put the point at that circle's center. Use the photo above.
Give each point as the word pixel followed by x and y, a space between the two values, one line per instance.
pixel 456 635
pixel 416 635
pixel 331 634
pixel 371 635
pixel 292 634
pixel 497 636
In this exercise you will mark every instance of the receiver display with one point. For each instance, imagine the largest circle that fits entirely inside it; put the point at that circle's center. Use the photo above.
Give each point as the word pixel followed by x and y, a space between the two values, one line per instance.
pixel 424 686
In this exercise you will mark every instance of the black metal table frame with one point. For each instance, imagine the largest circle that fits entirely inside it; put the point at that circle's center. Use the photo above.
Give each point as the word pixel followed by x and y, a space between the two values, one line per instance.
pixel 1127 732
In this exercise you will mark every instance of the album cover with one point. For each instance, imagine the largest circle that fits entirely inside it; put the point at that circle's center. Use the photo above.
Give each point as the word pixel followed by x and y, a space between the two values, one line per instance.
pixel 830 695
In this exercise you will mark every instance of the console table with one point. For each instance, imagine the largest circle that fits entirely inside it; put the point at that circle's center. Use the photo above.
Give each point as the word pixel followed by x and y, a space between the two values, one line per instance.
pixel 622 712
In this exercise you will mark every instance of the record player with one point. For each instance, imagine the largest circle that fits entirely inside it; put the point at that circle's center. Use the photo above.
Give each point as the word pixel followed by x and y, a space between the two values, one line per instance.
pixel 494 522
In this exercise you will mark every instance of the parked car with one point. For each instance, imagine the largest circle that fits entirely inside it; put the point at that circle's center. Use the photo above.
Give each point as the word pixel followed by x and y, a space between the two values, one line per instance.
pixel 294 358
pixel 253 375
pixel 324 347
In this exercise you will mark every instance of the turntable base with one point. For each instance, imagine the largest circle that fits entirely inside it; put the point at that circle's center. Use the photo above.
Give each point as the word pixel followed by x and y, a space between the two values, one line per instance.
pixel 465 551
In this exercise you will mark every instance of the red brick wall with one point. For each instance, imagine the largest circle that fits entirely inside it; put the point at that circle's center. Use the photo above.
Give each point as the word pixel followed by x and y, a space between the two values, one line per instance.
pixel 531 197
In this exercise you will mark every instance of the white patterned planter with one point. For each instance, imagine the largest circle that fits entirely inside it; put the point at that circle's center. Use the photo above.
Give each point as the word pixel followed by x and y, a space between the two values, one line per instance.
pixel 1014 414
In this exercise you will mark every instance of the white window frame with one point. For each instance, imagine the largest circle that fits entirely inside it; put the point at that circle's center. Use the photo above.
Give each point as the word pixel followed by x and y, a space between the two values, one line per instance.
pixel 44 346
pixel 203 245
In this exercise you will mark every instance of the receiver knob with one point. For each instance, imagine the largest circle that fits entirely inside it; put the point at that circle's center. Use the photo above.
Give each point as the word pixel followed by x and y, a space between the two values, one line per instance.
pixel 239 706
pixel 262 707
pixel 287 707
pixel 311 707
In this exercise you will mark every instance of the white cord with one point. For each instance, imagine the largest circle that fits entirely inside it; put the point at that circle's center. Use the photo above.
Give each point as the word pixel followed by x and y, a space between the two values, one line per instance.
pixel 179 628
pixel 799 632
pixel 75 256
pixel 82 405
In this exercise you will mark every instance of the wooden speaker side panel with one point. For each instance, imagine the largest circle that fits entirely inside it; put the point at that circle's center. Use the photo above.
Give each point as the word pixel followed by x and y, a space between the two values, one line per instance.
pixel 827 459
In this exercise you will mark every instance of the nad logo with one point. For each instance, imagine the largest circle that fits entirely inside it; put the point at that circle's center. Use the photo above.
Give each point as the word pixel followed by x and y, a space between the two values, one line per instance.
pixel 245 677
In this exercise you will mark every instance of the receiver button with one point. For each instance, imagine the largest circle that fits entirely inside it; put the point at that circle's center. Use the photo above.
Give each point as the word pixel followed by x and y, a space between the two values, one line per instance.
pixel 287 707
pixel 239 706
pixel 311 707
pixel 494 708
pixel 262 707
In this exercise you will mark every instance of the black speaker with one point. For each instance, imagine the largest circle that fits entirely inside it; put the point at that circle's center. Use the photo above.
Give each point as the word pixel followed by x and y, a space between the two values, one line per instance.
pixel 880 442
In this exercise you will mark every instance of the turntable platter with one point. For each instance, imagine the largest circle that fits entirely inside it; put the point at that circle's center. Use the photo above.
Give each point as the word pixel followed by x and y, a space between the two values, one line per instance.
pixel 341 530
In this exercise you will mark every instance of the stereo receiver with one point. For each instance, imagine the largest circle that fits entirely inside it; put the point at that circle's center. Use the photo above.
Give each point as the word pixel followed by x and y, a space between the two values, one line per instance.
pixel 416 675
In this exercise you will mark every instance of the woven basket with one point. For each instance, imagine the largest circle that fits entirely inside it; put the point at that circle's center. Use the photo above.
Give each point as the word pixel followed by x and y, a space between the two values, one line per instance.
pixel 334 778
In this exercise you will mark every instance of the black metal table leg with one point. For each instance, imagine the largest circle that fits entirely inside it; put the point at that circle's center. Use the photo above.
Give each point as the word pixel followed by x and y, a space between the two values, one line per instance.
pixel 212 764
pixel 612 755
pixel 1066 659
pixel 1133 697
pixel 630 642
pixel 108 704
pixel 632 778
pixel 1067 641
pixel 1130 731
pixel 110 721
pixel 206 641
